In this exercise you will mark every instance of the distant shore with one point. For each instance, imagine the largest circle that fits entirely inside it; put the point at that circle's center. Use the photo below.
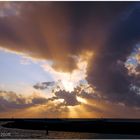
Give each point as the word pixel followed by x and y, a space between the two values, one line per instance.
pixel 106 126
pixel 69 128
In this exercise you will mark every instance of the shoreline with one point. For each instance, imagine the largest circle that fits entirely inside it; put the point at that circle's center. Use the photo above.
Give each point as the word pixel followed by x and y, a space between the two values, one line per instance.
pixel 41 134
pixel 102 126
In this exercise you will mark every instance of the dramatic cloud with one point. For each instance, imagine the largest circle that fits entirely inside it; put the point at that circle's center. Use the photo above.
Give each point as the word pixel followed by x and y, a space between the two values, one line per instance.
pixel 57 31
pixel 41 30
pixel 65 32
pixel 108 72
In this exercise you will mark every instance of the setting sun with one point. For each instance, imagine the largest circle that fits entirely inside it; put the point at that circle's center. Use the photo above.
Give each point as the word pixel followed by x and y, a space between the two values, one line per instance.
pixel 68 85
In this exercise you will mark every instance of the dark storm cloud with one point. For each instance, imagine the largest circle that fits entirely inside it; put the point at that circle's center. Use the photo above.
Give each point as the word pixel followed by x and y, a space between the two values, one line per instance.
pixel 69 98
pixel 59 30
pixel 111 78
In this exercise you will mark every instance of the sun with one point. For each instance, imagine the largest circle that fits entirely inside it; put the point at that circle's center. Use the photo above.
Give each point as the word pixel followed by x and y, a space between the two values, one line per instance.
pixel 68 85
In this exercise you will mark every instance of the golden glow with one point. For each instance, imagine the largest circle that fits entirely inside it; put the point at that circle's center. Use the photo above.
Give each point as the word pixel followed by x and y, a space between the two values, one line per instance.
pixel 58 101
pixel 80 111
pixel 71 80
pixel 81 100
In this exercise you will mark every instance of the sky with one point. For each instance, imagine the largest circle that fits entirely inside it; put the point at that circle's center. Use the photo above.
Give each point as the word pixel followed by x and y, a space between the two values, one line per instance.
pixel 69 60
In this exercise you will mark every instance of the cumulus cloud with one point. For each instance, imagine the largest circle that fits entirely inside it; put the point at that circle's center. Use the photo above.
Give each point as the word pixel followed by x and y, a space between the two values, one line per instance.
pixel 10 101
pixel 69 98
pixel 17 105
